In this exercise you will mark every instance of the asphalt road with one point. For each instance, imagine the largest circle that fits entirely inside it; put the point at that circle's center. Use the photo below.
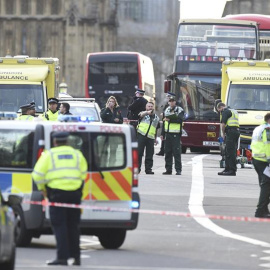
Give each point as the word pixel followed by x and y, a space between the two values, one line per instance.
pixel 166 242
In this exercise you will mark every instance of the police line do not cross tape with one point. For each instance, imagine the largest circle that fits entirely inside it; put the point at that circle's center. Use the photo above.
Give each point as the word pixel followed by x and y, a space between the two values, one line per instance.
pixel 45 203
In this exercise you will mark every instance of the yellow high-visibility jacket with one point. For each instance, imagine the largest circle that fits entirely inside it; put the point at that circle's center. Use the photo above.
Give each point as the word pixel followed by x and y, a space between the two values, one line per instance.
pixel 26 117
pixel 260 144
pixel 62 167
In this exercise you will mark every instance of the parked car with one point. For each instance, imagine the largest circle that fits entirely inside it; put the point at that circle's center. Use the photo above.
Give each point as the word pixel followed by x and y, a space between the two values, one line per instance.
pixel 8 226
pixel 83 107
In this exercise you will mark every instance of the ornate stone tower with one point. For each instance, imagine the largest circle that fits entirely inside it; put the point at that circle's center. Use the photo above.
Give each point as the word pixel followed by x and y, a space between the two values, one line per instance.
pixel 66 29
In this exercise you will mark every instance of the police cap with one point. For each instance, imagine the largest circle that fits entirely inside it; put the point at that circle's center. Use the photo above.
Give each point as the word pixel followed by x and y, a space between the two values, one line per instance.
pixel 170 94
pixel 60 136
pixel 26 107
pixel 52 100
pixel 140 91
pixel 172 98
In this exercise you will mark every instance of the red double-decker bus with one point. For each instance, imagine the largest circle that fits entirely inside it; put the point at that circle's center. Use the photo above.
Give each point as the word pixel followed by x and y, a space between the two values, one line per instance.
pixel 118 74
pixel 263 22
pixel 201 47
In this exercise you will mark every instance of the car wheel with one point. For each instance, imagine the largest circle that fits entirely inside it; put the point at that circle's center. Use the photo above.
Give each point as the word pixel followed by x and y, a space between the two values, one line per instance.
pixel 10 264
pixel 112 238
pixel 23 236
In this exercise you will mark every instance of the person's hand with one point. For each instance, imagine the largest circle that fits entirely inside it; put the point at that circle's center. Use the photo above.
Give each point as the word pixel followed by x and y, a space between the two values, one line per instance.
pixel 161 137
pixel 116 120
pixel 44 193
pixel 166 119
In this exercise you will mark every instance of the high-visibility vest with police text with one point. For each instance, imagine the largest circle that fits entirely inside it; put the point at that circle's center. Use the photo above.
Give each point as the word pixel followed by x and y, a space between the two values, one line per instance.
pixel 62 168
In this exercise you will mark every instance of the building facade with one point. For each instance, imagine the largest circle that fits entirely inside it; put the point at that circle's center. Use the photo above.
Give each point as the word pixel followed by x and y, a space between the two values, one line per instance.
pixel 150 27
pixel 66 29
pixel 247 6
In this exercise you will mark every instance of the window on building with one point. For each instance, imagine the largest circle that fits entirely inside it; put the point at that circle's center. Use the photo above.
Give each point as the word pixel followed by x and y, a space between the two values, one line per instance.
pixel 55 7
pixel 245 6
pixel 10 6
pixel 24 38
pixel 131 10
pixel 40 7
pixel 39 41
pixel 25 7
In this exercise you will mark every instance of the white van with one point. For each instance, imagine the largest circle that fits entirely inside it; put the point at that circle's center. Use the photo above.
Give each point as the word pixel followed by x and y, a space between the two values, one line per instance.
pixel 111 182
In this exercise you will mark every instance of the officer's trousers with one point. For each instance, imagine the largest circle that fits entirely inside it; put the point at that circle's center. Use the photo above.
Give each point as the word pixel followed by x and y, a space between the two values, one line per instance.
pixel 65 223
pixel 232 136
pixel 147 144
pixel 173 149
pixel 264 182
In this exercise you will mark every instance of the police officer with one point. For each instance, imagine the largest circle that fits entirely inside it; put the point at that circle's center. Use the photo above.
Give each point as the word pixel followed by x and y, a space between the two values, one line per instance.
pixel 162 136
pixel 138 105
pixel 59 174
pixel 28 112
pixel 173 121
pixel 52 113
pixel 229 127
pixel 147 132
pixel 261 158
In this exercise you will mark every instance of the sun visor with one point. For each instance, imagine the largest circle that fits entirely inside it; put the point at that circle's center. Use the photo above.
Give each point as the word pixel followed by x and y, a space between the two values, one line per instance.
pixel 23 73
pixel 249 75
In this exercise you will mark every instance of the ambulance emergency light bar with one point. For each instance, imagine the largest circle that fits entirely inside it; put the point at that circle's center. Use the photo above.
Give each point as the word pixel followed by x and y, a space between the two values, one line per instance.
pixel 76 118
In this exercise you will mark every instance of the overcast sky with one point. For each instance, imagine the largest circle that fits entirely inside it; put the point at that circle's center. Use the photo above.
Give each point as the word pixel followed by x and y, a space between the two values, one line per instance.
pixel 201 9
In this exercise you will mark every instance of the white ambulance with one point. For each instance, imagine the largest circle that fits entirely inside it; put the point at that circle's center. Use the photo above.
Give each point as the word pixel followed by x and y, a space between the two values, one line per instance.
pixel 112 180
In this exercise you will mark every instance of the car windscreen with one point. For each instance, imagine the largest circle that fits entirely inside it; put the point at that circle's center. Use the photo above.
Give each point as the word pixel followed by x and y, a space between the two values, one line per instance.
pixel 12 96
pixel 85 111
pixel 16 148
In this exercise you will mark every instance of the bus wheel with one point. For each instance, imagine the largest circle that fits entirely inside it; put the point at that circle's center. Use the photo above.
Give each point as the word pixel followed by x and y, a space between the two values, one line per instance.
pixel 23 236
pixel 184 149
pixel 112 238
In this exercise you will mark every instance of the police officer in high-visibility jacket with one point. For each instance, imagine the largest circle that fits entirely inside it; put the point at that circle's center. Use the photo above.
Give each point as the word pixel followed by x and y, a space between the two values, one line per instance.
pixel 229 127
pixel 28 112
pixel 60 173
pixel 147 133
pixel 173 122
pixel 52 112
pixel 260 146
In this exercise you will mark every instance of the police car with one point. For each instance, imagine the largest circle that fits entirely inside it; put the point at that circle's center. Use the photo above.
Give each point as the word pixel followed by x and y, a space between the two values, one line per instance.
pixel 7 231
pixel 82 107
pixel 110 183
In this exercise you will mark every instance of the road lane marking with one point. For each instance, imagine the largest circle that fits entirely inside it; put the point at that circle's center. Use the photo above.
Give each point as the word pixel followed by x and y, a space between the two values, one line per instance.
pixel 196 205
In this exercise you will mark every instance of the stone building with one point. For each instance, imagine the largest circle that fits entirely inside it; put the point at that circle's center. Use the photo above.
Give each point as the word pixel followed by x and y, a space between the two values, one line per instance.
pixel 247 6
pixel 150 27
pixel 66 29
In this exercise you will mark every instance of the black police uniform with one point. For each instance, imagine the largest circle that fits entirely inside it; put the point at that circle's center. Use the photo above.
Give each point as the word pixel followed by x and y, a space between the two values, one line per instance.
pixel 67 247
pixel 138 105
pixel 231 140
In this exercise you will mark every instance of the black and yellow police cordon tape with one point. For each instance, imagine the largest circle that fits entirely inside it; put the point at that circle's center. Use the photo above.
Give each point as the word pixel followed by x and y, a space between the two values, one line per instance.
pixel 45 203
